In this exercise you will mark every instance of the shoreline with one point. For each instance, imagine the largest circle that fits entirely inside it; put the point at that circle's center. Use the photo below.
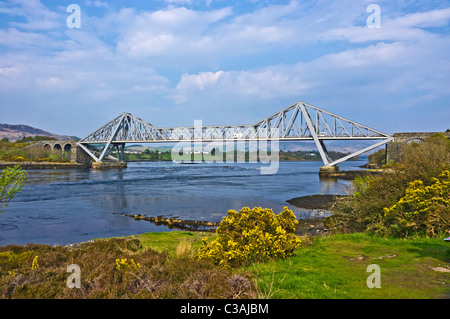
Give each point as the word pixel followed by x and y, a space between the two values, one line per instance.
pixel 314 226
pixel 318 201
pixel 351 175
pixel 306 226
pixel 42 165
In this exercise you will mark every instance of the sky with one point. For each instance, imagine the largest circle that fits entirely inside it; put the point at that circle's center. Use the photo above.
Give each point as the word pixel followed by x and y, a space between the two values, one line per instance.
pixel 171 62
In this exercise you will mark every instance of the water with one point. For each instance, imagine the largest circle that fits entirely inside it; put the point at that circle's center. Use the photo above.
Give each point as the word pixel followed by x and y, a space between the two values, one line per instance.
pixel 72 205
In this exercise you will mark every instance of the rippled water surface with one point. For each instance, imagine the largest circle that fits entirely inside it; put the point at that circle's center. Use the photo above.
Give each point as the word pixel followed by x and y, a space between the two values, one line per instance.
pixel 72 205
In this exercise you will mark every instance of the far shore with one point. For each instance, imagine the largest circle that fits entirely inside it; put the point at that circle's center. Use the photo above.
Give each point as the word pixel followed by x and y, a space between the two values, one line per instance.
pixel 41 165
pixel 63 165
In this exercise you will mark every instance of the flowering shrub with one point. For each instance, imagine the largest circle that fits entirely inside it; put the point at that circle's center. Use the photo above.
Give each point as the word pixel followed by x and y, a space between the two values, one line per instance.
pixel 422 209
pixel 376 204
pixel 122 264
pixel 252 235
pixel 34 264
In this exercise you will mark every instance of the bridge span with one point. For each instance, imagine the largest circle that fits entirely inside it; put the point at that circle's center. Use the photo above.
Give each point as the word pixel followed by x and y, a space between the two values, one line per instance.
pixel 298 122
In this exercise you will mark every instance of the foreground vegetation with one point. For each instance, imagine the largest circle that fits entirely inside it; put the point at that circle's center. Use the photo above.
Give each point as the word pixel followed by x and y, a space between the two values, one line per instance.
pixel 163 265
pixel 412 198
pixel 116 268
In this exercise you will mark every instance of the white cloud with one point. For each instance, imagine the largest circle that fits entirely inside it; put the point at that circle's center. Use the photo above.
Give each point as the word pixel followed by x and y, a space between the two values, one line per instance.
pixel 179 1
pixel 172 33
pixel 403 28
pixel 37 16
pixel 98 4
pixel 433 18
pixel 361 81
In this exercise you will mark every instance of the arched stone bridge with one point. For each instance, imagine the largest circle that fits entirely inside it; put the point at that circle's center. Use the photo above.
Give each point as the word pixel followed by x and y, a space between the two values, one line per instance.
pixel 69 148
pixel 394 149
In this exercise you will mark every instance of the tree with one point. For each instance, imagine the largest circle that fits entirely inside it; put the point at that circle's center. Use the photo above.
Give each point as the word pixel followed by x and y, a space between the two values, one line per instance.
pixel 378 157
pixel 11 181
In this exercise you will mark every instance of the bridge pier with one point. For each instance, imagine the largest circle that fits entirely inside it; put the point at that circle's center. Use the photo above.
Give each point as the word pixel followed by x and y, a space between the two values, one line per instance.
pixel 327 171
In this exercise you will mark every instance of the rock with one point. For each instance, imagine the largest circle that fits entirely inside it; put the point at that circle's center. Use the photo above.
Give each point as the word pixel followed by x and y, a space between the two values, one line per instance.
pixel 325 202
pixel 441 269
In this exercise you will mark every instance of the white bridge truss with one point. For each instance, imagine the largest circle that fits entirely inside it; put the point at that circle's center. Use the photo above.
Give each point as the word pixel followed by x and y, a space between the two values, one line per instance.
pixel 297 122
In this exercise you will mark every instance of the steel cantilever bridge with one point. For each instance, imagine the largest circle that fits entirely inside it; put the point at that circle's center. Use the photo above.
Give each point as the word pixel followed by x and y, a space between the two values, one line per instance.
pixel 297 122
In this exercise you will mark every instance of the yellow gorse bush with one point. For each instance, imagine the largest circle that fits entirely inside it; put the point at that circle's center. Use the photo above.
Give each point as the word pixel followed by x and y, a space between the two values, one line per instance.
pixel 423 208
pixel 252 235
pixel 122 264
pixel 34 264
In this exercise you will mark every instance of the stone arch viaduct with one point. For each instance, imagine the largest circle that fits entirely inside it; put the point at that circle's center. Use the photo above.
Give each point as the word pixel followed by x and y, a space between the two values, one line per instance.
pixel 68 148
pixel 394 149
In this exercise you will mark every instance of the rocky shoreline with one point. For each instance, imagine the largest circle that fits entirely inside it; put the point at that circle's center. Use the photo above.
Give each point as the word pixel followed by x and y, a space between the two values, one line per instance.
pixel 192 225
pixel 351 175
pixel 325 202
pixel 314 226
pixel 305 227
pixel 41 165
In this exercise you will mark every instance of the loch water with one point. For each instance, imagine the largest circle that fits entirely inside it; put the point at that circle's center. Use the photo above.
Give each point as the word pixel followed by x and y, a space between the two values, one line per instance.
pixel 64 206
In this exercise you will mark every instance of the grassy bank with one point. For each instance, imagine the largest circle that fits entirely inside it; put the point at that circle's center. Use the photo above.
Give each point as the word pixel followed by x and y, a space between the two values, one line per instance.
pixel 336 267
pixel 325 267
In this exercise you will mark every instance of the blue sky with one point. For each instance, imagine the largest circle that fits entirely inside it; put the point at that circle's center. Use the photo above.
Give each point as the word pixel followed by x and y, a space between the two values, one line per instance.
pixel 171 62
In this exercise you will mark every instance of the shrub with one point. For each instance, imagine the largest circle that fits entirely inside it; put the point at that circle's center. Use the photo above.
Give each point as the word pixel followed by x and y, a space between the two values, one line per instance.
pixel 423 209
pixel 11 181
pixel 251 235
pixel 378 157
pixel 364 209
pixel 426 160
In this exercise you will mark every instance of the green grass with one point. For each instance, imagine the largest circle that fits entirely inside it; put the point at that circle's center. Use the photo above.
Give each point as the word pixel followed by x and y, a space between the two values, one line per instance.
pixel 168 241
pixel 336 267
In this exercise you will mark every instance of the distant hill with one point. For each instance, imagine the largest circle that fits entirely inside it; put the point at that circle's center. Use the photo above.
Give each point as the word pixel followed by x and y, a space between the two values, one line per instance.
pixel 16 132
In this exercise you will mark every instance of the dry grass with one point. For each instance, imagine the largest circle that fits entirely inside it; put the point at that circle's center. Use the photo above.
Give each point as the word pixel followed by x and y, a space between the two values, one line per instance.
pixel 159 275
pixel 185 249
